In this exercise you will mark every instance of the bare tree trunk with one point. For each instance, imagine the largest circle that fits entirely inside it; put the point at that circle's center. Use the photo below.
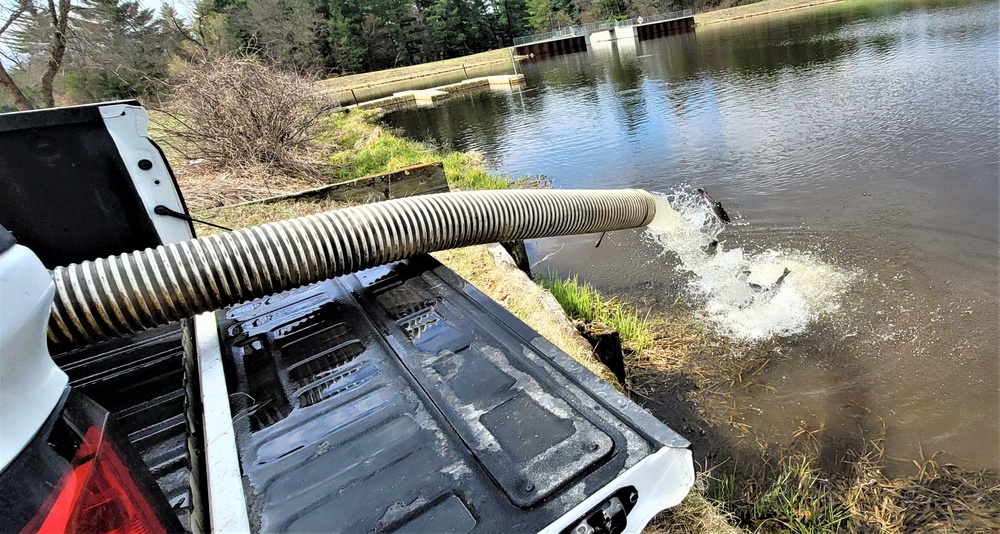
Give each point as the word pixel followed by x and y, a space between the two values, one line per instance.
pixel 60 20
pixel 6 82
pixel 13 91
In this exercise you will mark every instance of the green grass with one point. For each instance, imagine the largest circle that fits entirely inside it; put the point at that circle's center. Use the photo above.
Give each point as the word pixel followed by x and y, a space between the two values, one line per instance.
pixel 363 147
pixel 351 145
pixel 798 500
pixel 581 301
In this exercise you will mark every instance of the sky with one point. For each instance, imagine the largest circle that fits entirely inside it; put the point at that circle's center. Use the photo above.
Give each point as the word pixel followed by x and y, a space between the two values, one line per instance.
pixel 184 7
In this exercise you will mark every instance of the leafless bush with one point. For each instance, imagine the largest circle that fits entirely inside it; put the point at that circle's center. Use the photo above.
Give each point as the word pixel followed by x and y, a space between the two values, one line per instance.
pixel 235 112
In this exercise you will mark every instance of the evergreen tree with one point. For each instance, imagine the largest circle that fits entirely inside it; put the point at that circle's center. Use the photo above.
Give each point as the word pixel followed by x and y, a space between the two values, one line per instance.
pixel 512 19
pixel 287 33
pixel 448 28
pixel 118 49
pixel 343 29
pixel 540 15
pixel 461 27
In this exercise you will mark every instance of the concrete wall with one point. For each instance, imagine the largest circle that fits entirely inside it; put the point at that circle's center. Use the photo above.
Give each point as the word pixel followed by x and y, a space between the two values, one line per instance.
pixel 554 47
pixel 612 34
pixel 569 45
pixel 662 29
pixel 601 36
pixel 346 97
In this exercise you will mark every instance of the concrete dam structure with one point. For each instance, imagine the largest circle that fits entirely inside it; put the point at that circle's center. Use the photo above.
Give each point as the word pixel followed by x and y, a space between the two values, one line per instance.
pixel 581 38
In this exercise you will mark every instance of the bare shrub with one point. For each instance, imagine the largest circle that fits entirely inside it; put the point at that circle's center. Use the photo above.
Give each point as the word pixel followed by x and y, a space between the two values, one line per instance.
pixel 236 113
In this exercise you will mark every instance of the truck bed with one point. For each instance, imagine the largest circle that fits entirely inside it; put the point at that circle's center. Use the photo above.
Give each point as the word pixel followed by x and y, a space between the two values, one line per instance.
pixel 401 398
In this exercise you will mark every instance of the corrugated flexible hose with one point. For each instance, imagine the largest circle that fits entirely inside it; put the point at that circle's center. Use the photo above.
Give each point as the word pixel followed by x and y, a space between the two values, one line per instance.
pixel 111 297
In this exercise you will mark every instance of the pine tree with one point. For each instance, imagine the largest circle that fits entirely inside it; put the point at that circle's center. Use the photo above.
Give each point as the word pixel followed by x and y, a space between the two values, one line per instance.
pixel 118 50
pixel 287 33
pixel 512 19
pixel 540 14
pixel 343 29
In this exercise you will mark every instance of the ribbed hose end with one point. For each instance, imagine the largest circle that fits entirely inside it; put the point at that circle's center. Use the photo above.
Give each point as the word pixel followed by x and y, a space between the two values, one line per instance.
pixel 110 297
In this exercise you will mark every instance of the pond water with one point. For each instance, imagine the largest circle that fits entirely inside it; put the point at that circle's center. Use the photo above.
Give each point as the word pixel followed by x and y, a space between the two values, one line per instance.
pixel 854 144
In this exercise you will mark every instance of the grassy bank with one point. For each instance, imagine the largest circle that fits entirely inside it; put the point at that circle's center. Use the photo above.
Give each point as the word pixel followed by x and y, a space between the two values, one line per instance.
pixel 363 147
pixel 584 303
pixel 351 145
pixel 756 9
pixel 746 482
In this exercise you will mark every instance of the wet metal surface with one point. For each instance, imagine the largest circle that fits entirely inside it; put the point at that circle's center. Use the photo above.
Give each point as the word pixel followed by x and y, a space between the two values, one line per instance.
pixel 393 399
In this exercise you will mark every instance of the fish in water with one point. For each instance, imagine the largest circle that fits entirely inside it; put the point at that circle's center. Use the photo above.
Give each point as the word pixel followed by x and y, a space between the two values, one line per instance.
pixel 773 287
pixel 763 293
pixel 714 206
pixel 711 247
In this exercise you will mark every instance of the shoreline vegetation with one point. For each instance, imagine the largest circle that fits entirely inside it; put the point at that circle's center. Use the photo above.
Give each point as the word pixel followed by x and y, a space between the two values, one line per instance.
pixel 746 481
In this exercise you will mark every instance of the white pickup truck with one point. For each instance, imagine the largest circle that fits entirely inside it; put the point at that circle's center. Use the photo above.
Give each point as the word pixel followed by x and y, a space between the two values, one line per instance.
pixel 396 397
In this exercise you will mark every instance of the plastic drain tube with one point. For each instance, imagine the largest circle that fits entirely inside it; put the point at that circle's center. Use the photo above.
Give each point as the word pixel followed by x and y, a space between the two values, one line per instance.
pixel 110 297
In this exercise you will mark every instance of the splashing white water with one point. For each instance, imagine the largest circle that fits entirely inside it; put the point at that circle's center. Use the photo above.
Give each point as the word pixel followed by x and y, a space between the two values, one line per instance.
pixel 723 281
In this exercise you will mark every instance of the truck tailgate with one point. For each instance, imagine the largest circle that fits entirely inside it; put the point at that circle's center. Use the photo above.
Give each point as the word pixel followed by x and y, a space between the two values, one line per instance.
pixel 402 398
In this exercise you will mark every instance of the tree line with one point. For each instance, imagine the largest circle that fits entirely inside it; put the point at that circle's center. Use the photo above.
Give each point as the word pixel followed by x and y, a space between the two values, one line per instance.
pixel 92 50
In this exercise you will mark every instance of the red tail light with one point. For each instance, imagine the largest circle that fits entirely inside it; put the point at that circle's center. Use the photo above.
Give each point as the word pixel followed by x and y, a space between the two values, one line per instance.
pixel 98 495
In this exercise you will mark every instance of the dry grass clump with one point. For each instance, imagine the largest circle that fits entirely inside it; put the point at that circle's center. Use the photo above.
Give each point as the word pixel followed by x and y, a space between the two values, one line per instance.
pixel 696 513
pixel 205 186
pixel 342 146
pixel 769 488
pixel 676 341
pixel 938 498
pixel 236 111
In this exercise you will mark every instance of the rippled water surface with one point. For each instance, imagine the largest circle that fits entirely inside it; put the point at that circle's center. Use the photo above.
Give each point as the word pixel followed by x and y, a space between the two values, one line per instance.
pixel 856 145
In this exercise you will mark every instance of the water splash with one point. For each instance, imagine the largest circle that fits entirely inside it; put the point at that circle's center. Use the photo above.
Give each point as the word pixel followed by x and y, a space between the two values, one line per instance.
pixel 722 282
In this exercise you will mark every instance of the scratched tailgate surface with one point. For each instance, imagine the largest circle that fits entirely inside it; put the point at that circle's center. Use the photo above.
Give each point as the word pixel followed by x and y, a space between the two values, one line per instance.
pixel 402 399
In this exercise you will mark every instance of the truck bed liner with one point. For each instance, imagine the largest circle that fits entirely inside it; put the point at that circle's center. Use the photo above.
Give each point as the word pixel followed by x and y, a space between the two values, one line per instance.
pixel 401 398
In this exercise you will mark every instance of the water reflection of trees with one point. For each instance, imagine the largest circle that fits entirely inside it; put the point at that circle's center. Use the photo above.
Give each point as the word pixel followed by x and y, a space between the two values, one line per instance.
pixel 681 69
pixel 465 122
pixel 767 47
pixel 625 76
pixel 563 74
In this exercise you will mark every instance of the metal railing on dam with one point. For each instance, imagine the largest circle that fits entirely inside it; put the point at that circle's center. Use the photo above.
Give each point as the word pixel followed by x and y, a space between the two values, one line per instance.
pixel 584 29
pixel 572 31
